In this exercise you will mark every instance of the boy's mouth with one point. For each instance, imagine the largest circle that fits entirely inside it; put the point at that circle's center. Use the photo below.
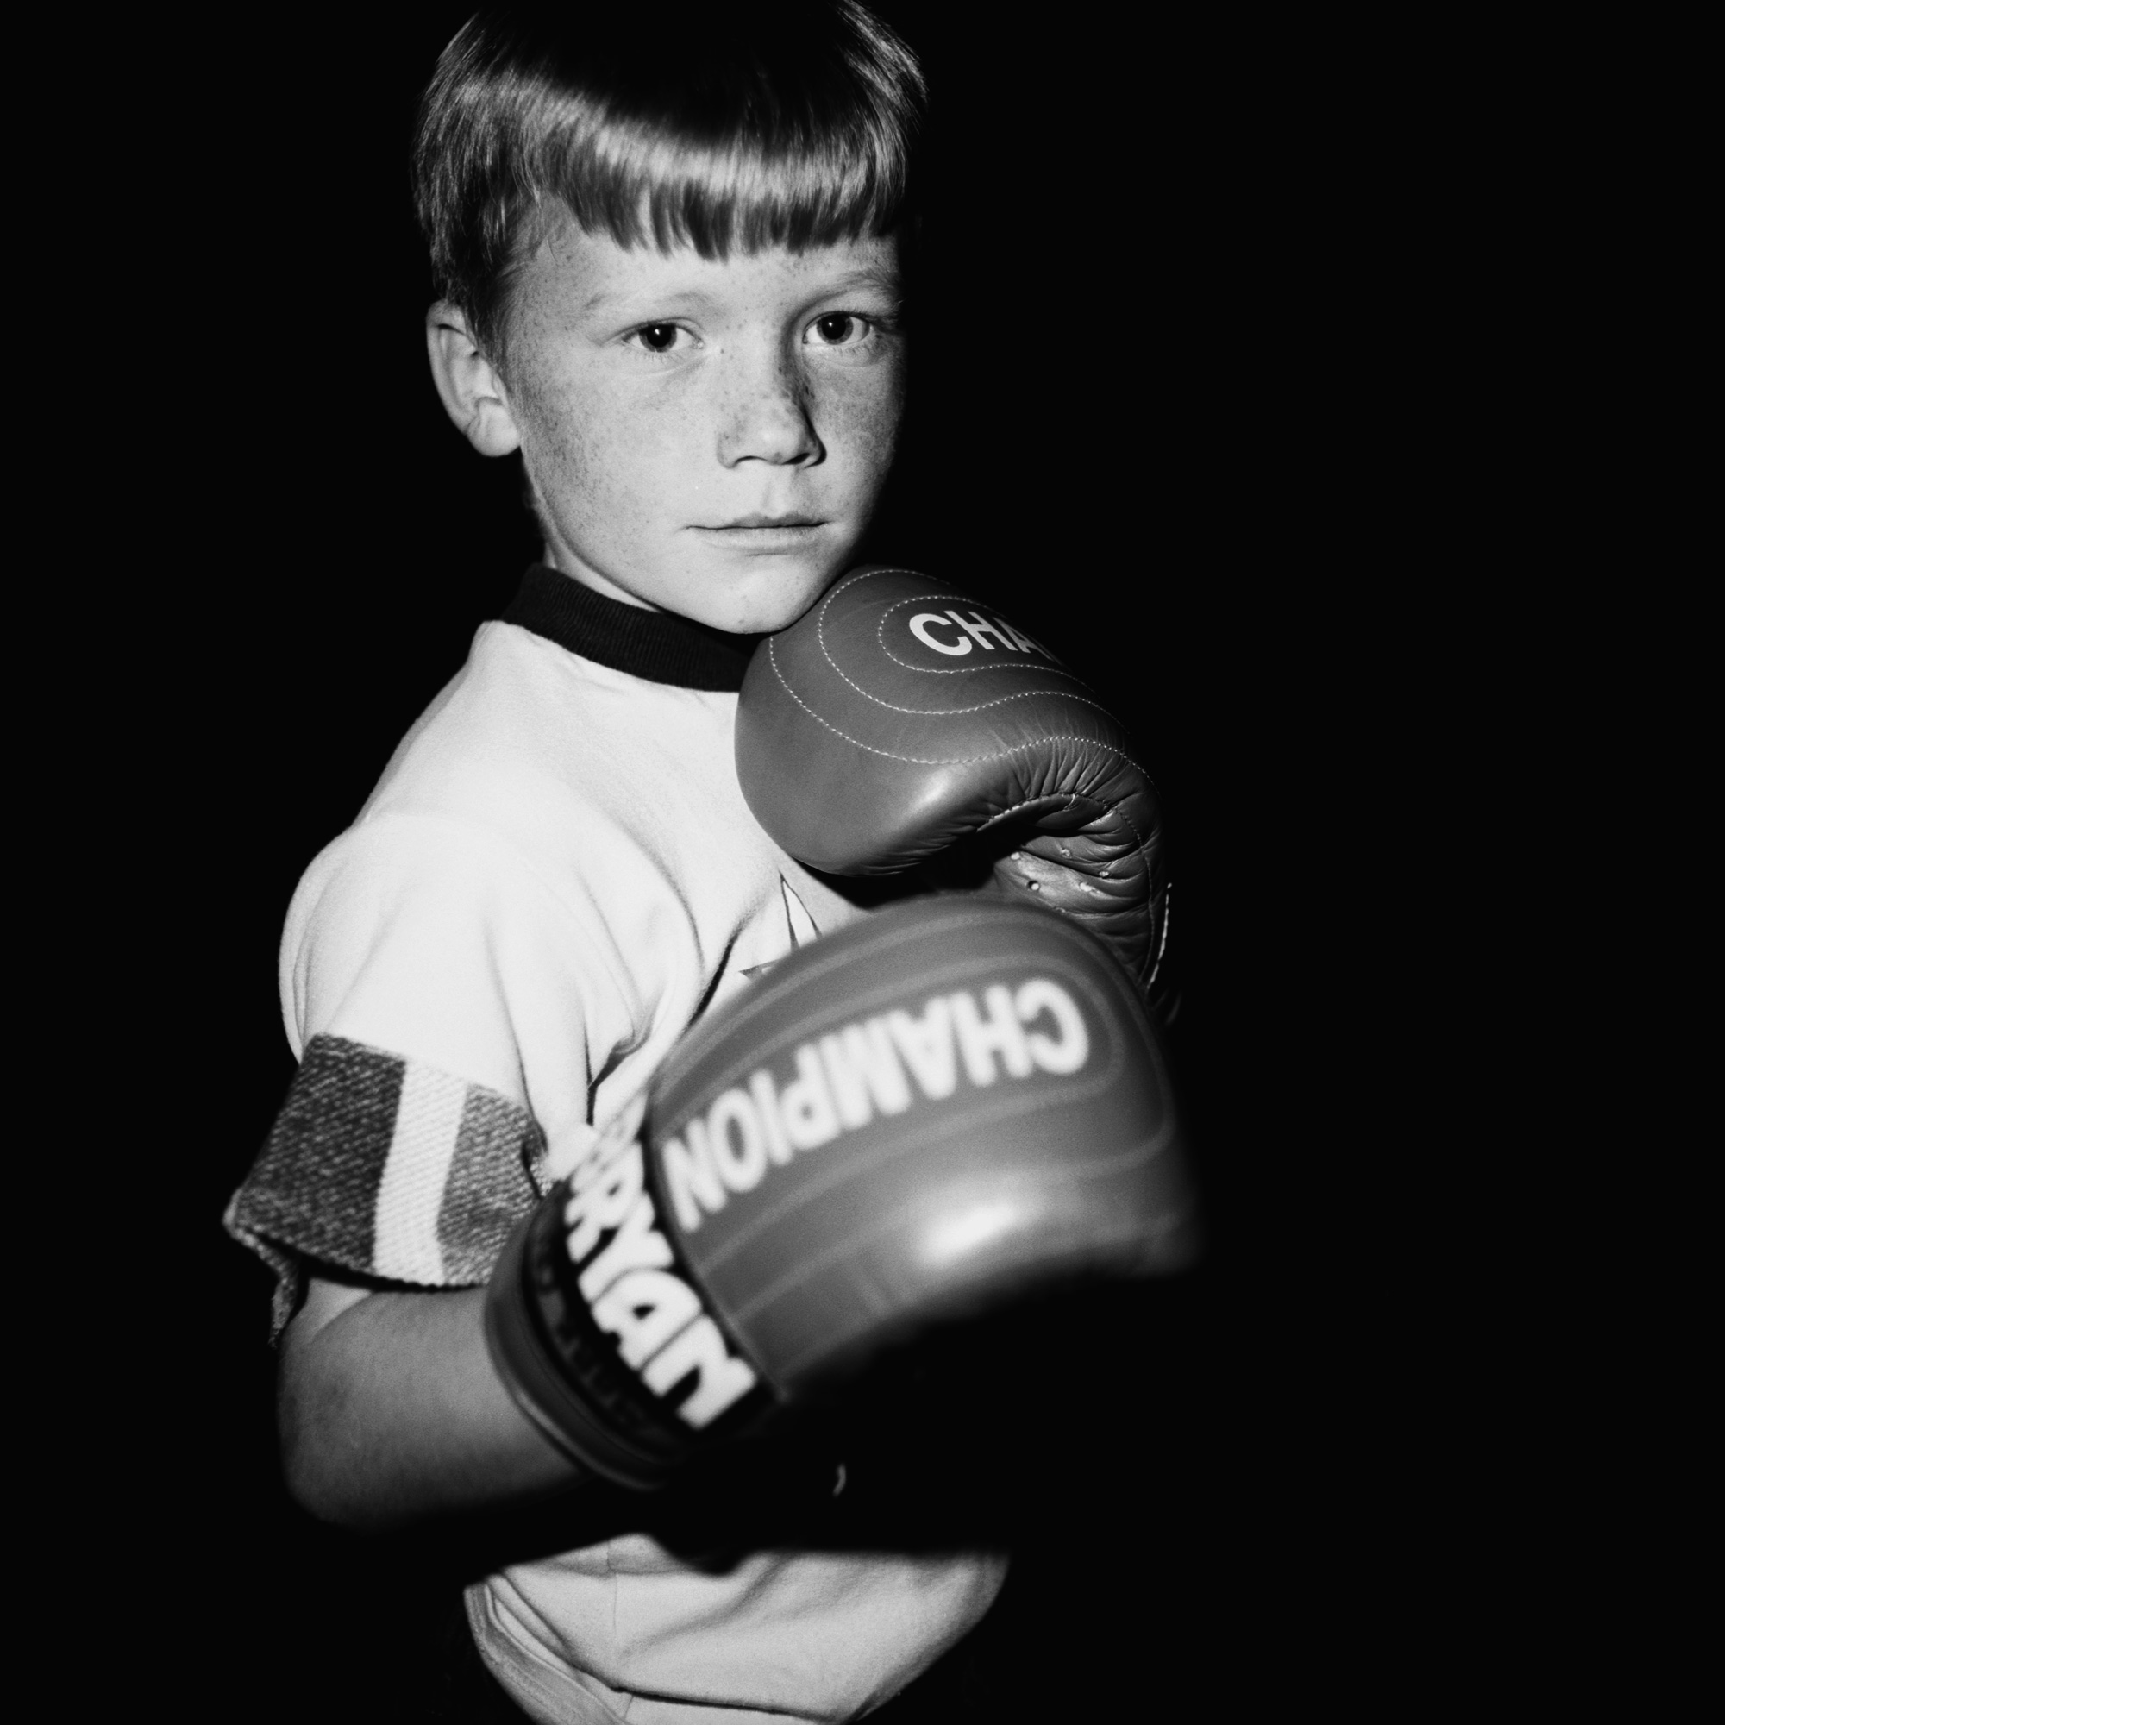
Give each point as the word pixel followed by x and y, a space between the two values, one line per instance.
pixel 782 534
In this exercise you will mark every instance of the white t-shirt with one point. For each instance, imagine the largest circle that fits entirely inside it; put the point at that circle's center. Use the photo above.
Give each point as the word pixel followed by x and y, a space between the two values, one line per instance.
pixel 555 875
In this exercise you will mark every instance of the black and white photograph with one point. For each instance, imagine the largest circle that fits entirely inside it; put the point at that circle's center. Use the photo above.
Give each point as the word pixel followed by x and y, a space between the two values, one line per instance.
pixel 710 928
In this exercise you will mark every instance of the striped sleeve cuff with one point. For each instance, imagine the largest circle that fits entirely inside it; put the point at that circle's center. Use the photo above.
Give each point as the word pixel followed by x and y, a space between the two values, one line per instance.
pixel 390 1169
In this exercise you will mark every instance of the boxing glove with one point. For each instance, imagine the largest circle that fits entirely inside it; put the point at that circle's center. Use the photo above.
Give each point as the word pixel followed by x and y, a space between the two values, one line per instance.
pixel 898 720
pixel 940 1108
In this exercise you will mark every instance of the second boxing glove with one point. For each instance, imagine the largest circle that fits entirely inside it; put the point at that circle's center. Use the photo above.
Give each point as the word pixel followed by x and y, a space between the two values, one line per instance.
pixel 898 719
pixel 942 1108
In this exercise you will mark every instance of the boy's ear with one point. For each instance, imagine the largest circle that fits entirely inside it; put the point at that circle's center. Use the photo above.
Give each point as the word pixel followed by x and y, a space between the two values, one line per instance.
pixel 471 389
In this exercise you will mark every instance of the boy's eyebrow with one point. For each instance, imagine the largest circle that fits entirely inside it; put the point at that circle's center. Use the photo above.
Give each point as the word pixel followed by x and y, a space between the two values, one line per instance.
pixel 869 275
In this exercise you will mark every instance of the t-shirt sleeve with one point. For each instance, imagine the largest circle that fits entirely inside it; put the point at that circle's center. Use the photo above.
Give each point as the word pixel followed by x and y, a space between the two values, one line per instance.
pixel 451 1008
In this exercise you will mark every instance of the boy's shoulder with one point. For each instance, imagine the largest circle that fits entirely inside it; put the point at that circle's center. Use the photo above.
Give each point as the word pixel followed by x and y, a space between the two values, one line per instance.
pixel 551 753
pixel 553 861
pixel 565 790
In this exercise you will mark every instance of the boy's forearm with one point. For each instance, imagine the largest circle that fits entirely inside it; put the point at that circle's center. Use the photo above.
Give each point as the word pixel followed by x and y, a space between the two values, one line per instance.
pixel 391 1411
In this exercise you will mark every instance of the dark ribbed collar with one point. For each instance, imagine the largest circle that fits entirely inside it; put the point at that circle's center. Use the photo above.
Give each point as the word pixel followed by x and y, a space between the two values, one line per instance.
pixel 656 645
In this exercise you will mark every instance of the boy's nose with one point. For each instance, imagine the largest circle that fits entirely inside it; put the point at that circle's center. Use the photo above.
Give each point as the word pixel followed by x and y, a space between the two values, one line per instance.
pixel 766 419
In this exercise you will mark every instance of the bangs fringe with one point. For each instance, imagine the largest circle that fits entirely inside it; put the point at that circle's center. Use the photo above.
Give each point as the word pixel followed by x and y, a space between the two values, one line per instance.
pixel 793 142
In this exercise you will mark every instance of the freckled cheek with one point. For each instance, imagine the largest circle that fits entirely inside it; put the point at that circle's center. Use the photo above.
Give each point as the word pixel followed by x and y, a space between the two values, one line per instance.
pixel 605 463
pixel 859 420
pixel 558 447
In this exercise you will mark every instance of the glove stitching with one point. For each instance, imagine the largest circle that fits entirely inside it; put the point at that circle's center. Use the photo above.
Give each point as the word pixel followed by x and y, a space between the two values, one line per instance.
pixel 961 712
pixel 1054 666
pixel 958 760
pixel 1157 937
pixel 829 659
pixel 929 671
pixel 1113 811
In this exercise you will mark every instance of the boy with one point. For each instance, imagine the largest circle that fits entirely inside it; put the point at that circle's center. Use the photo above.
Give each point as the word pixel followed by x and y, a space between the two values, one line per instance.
pixel 670 282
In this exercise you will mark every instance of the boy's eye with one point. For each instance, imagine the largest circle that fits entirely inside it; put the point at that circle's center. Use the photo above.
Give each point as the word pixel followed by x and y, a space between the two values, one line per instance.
pixel 659 338
pixel 837 329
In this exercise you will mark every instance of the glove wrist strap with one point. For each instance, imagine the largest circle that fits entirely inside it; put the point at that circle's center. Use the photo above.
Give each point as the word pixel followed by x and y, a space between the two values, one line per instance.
pixel 566 1374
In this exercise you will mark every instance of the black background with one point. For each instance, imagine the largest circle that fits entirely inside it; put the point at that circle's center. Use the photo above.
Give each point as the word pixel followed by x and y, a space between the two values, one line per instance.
pixel 1143 420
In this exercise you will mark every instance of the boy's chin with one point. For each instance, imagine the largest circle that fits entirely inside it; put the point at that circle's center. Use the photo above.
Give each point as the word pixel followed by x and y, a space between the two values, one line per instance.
pixel 754 597
pixel 758 582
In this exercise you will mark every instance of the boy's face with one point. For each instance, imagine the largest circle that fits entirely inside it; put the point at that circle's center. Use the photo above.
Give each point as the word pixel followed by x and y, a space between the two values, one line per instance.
pixel 704 436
